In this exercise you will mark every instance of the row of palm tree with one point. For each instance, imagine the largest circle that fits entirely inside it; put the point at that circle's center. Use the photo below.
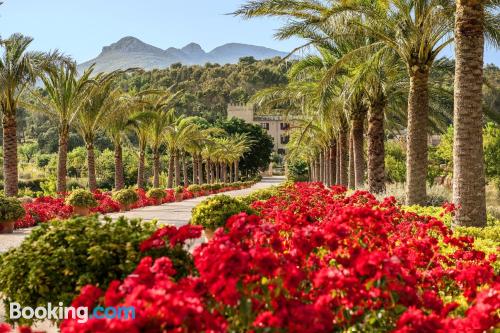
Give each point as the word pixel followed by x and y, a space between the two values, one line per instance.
pixel 378 60
pixel 92 103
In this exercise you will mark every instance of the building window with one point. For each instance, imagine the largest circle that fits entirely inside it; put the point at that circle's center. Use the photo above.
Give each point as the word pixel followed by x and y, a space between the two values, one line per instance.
pixel 284 139
pixel 284 126
pixel 281 151
pixel 265 126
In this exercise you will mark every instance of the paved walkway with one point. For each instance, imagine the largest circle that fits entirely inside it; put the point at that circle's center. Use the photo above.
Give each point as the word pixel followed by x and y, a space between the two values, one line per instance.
pixel 176 213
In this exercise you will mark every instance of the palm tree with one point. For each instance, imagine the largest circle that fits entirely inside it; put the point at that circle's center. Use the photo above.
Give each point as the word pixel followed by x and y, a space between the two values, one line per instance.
pixel 468 158
pixel 417 30
pixel 91 119
pixel 118 121
pixel 62 99
pixel 177 137
pixel 19 69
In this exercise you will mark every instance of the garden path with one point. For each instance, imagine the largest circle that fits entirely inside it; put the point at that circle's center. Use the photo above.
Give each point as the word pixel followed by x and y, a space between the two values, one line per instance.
pixel 175 213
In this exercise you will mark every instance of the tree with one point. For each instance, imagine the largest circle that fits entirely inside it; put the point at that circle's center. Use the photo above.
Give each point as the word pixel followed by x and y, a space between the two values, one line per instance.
pixel 468 156
pixel 62 99
pixel 259 155
pixel 19 69
pixel 92 118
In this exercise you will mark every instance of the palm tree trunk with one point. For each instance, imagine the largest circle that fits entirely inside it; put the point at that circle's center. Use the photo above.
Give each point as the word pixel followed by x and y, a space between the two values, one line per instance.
pixel 140 168
pixel 236 171
pixel 195 168
pixel 156 168
pixel 207 170
pixel 171 170
pixel 62 160
pixel 10 172
pixel 91 167
pixel 468 158
pixel 321 167
pixel 217 172
pixel 230 172
pixel 200 170
pixel 317 170
pixel 177 168
pixel 326 159
pixel 119 177
pixel 351 178
pixel 224 171
pixel 185 171
pixel 213 172
pixel 376 149
pixel 333 161
pixel 358 149
pixel 344 156
pixel 337 168
pixel 416 141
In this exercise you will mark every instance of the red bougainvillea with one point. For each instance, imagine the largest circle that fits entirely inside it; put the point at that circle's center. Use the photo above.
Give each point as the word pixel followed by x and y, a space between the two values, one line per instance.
pixel 314 260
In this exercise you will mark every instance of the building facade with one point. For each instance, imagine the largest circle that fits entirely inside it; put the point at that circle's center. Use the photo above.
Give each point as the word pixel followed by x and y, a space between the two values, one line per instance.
pixel 275 125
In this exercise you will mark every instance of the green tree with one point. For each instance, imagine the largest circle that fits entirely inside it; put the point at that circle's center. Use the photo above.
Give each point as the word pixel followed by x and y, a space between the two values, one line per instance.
pixel 19 69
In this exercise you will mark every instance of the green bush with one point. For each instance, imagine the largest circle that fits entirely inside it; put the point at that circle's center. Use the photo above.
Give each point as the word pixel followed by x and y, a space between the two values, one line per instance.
pixel 194 188
pixel 157 193
pixel 395 161
pixel 10 209
pixel 298 171
pixel 262 194
pixel 206 187
pixel 32 184
pixel 126 196
pixel 81 198
pixel 213 212
pixel 58 258
pixel 178 189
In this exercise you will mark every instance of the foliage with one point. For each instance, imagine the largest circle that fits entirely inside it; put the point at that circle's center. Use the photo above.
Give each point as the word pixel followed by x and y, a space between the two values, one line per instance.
pixel 179 189
pixel 258 157
pixel 126 196
pixel 10 209
pixel 395 161
pixel 81 198
pixel 213 212
pixel 261 194
pixel 56 260
pixel 298 170
pixel 194 188
pixel 157 193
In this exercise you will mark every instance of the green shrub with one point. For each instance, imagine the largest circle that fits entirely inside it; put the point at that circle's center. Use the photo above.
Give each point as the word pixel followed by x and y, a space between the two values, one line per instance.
pixel 179 189
pixel 58 258
pixel 194 188
pixel 126 196
pixel 81 198
pixel 216 186
pixel 213 212
pixel 157 193
pixel 10 209
pixel 206 187
pixel 298 171
pixel 32 184
pixel 262 194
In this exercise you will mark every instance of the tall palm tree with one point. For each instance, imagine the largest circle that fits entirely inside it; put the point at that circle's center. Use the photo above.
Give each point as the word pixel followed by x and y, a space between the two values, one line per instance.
pixel 19 69
pixel 62 99
pixel 177 137
pixel 92 118
pixel 118 121
pixel 468 158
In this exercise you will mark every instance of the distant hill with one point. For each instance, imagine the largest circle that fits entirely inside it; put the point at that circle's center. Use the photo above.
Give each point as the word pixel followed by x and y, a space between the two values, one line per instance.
pixel 131 52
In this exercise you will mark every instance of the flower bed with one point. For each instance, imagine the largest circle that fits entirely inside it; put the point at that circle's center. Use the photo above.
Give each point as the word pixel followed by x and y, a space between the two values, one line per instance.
pixel 314 260
pixel 47 208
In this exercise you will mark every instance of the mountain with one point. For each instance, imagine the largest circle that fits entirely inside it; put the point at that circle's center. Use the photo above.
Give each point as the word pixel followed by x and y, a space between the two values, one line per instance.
pixel 131 52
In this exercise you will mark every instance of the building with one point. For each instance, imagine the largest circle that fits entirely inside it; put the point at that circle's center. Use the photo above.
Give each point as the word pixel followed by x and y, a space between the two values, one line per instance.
pixel 275 125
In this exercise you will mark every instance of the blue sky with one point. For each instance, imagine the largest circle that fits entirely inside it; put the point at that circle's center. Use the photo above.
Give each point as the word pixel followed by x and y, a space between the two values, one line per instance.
pixel 81 28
